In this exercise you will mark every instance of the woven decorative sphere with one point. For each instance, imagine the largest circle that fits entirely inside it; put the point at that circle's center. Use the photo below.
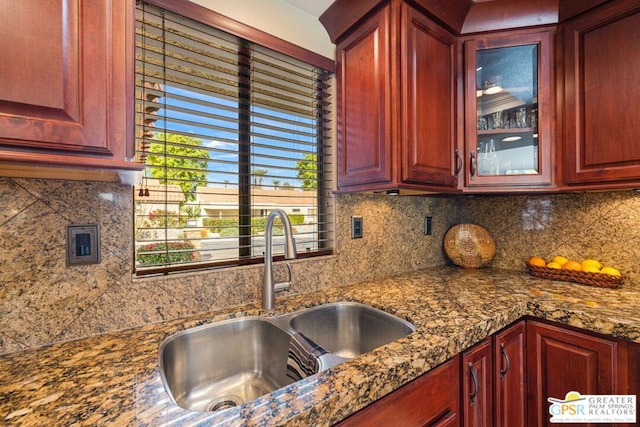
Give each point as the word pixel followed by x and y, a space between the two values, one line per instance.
pixel 469 245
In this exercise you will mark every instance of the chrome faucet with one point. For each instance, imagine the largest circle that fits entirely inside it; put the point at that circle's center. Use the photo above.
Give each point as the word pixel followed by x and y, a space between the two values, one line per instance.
pixel 269 288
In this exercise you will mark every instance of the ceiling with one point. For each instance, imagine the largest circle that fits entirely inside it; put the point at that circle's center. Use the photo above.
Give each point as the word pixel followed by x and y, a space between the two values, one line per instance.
pixel 313 7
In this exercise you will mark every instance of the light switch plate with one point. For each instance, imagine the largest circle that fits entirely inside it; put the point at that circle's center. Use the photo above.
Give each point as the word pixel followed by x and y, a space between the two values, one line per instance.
pixel 428 225
pixel 83 244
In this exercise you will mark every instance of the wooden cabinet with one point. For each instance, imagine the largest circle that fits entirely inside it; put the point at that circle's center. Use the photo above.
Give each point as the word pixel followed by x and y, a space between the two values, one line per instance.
pixel 506 379
pixel 477 385
pixel 510 376
pixel 396 102
pixel 634 374
pixel 562 360
pixel 66 97
pixel 599 124
pixel 494 386
pixel 430 400
pixel 509 108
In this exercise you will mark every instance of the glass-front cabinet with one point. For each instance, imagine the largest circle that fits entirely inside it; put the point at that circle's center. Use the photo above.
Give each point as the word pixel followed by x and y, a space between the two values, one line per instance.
pixel 507 111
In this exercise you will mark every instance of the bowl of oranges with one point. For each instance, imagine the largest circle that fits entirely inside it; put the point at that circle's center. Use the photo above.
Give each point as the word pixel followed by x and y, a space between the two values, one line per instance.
pixel 589 271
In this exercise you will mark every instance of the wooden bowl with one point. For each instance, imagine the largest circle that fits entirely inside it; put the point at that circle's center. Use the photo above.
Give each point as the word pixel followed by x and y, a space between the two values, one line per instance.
pixel 469 245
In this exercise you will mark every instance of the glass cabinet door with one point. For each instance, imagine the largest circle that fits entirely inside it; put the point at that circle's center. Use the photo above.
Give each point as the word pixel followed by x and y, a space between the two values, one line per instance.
pixel 505 99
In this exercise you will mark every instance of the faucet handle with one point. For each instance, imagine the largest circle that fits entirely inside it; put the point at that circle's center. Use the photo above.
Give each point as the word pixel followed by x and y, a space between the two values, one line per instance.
pixel 284 286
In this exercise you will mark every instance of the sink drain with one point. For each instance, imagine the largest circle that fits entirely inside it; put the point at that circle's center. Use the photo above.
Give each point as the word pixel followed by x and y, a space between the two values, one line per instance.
pixel 223 403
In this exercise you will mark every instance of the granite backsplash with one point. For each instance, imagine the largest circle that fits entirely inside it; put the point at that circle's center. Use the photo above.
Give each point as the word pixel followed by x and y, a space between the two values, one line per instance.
pixel 43 301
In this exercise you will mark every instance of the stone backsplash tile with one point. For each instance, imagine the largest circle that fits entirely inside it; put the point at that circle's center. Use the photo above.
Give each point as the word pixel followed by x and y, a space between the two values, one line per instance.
pixel 602 225
pixel 43 301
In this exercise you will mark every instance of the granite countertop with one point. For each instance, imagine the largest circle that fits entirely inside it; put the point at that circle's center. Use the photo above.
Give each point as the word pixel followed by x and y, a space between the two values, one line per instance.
pixel 113 379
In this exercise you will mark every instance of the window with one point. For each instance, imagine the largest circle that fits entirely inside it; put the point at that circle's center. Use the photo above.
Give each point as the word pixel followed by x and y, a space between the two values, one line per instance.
pixel 228 130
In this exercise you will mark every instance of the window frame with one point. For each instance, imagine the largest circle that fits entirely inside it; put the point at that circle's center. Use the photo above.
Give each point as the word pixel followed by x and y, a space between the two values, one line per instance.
pixel 211 18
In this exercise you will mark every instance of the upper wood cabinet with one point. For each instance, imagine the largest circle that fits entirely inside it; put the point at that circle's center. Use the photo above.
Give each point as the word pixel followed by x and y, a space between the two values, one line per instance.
pixel 396 101
pixel 66 97
pixel 600 124
pixel 508 106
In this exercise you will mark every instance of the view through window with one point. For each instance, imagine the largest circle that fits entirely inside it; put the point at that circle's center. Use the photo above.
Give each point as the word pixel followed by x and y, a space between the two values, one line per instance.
pixel 228 131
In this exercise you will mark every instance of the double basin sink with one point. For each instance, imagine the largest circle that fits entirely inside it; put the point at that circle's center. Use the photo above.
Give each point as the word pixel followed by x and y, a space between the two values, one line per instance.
pixel 224 364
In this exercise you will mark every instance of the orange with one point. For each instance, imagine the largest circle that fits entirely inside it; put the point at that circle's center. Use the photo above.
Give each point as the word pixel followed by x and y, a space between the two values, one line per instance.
pixel 537 261
pixel 572 265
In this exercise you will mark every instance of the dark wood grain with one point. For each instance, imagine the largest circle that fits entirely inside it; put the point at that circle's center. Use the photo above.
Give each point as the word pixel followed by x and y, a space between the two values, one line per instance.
pixel 634 373
pixel 562 360
pixel 364 103
pixel 509 379
pixel 428 101
pixel 67 93
pixel 477 399
pixel 543 38
pixel 601 80
pixel 430 400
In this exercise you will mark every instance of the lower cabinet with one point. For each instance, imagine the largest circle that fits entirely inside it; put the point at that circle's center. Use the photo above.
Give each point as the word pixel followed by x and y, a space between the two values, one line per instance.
pixel 510 376
pixel 430 400
pixel 506 379
pixel 494 380
pixel 634 375
pixel 561 360
pixel 477 385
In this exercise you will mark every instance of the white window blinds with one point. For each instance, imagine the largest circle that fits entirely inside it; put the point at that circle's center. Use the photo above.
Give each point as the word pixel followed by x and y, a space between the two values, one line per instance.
pixel 228 130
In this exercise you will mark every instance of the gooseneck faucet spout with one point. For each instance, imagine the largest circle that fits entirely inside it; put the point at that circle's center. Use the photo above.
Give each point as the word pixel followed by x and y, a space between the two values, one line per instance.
pixel 269 288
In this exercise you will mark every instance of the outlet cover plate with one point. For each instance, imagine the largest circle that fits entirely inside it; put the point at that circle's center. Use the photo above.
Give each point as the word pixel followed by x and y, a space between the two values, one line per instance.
pixel 83 244
pixel 356 227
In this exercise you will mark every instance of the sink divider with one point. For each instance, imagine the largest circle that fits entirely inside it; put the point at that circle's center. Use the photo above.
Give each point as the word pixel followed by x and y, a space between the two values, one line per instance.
pixel 304 355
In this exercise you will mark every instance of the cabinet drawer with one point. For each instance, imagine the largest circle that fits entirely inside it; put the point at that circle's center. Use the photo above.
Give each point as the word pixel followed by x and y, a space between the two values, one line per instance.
pixel 430 400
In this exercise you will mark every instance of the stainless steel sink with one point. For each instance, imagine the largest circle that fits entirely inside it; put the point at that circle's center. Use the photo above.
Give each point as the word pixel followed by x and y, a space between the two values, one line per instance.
pixel 224 364
pixel 348 329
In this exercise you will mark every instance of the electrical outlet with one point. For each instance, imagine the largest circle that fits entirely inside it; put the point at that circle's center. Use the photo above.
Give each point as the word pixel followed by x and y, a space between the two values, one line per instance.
pixel 83 244
pixel 428 222
pixel 356 227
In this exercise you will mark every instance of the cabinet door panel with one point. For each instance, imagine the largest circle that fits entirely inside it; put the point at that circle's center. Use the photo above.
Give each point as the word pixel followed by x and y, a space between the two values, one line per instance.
pixel 66 96
pixel 428 103
pixel 634 374
pixel 363 106
pixel 510 376
pixel 602 59
pixel 562 360
pixel 509 110
pixel 48 82
pixel 477 385
pixel 430 400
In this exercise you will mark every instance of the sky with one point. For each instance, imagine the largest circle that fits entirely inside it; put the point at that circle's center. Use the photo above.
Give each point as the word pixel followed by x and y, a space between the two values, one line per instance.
pixel 220 134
